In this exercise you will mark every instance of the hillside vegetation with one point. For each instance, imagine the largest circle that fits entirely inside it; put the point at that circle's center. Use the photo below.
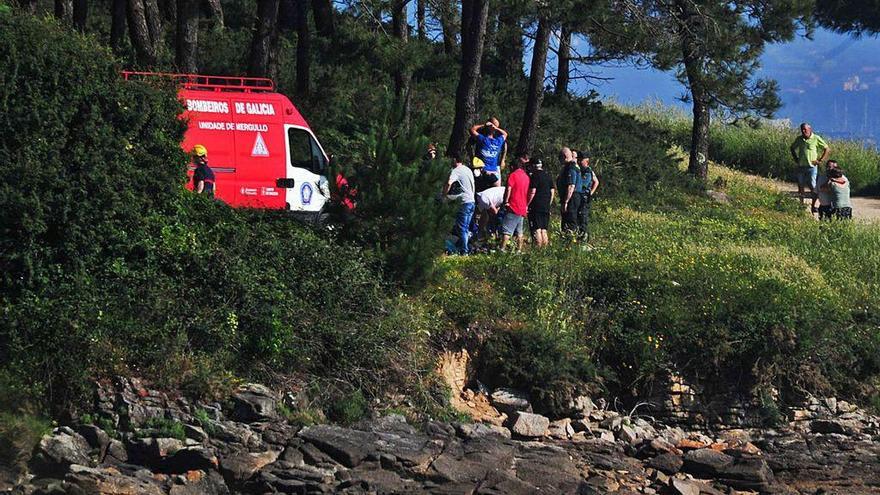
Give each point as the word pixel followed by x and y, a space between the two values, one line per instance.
pixel 763 149
pixel 111 267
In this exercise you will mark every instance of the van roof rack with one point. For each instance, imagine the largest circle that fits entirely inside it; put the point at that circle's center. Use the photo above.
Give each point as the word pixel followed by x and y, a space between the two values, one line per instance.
pixel 209 83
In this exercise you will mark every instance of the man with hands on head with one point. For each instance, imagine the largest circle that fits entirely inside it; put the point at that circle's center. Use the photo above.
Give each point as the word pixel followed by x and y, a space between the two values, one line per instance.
pixel 490 146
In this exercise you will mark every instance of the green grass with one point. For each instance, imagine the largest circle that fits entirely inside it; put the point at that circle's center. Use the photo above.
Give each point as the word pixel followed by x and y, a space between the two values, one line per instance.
pixel 754 294
pixel 762 150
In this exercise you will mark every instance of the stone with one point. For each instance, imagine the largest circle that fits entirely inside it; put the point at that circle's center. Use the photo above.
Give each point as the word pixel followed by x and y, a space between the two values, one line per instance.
pixel 348 447
pixel 240 466
pixel 685 487
pixel 115 453
pixel 480 430
pixel 582 425
pixel 627 434
pixel 581 407
pixel 57 451
pixel 190 459
pixel 667 463
pixel 253 402
pixel 718 197
pixel 196 433
pixel 831 404
pixel 108 481
pixel 844 407
pixel 606 436
pixel 510 401
pixel 706 462
pixel 96 437
pixel 561 429
pixel 201 483
pixel 529 425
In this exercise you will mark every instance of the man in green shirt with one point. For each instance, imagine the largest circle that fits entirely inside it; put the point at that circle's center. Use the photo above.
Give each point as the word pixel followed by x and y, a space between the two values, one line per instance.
pixel 805 152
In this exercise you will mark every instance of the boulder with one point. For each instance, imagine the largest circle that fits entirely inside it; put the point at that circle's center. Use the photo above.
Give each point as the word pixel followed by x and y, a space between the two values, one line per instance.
pixel 115 453
pixel 561 429
pixel 685 487
pixel 253 402
pixel 96 437
pixel 200 483
pixel 667 463
pixel 530 425
pixel 480 430
pixel 195 432
pixel 510 401
pixel 706 462
pixel 57 451
pixel 108 481
pixel 346 446
pixel 582 425
pixel 240 466
pixel 627 434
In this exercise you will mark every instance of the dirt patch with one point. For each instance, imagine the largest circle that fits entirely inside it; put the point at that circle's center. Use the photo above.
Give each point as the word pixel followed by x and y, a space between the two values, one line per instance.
pixel 457 371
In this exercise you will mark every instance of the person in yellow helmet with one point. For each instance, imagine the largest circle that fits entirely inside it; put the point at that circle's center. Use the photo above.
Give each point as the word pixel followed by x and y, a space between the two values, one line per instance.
pixel 203 177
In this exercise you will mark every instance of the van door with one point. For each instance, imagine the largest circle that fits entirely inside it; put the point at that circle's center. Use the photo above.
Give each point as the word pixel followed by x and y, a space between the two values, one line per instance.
pixel 307 167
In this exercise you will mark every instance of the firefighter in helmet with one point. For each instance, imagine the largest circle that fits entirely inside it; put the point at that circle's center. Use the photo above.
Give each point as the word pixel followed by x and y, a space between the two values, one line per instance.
pixel 203 177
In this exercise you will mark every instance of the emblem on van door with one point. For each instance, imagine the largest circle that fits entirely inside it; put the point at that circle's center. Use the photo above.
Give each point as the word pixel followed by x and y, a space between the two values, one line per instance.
pixel 305 193
pixel 259 148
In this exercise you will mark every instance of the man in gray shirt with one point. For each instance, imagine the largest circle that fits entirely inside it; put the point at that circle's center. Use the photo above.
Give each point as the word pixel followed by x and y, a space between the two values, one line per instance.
pixel 460 187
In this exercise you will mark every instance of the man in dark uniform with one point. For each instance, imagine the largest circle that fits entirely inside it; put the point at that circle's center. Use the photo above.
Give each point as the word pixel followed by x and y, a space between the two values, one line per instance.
pixel 203 177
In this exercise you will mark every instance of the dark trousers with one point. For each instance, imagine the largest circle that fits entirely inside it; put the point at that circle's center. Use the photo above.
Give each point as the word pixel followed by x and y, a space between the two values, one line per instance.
pixel 583 216
pixel 570 215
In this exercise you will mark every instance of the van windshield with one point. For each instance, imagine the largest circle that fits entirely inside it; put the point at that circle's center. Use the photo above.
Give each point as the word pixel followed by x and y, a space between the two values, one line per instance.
pixel 304 151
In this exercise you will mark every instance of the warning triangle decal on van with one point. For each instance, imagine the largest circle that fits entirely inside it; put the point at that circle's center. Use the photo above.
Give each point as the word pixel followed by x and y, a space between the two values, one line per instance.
pixel 260 148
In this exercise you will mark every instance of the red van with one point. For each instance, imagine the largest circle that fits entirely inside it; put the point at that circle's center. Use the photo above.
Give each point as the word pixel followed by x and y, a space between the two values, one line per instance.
pixel 261 149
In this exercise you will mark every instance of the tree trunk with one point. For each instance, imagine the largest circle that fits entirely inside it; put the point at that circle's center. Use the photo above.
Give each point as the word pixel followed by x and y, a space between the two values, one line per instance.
pixel 421 26
pixel 140 34
pixel 168 8
pixel 154 22
pixel 563 61
pixel 117 24
pixel 322 12
pixel 303 49
pixel 402 76
pixel 698 162
pixel 28 6
pixel 214 10
pixel 510 42
pixel 466 94
pixel 265 34
pixel 187 39
pixel 446 15
pixel 80 14
pixel 535 94
pixel 64 10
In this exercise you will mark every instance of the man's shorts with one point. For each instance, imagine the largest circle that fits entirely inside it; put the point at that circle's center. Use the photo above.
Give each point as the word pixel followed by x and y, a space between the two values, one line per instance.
pixel 807 177
pixel 843 213
pixel 826 212
pixel 538 220
pixel 512 224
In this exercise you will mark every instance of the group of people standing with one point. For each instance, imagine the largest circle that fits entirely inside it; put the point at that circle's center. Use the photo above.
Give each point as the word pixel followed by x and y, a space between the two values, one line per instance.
pixel 487 208
pixel 829 190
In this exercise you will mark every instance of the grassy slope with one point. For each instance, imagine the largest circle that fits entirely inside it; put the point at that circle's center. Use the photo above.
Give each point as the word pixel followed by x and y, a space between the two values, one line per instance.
pixel 753 293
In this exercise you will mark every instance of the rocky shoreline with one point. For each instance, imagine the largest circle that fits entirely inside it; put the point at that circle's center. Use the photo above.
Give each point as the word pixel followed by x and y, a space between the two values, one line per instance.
pixel 155 444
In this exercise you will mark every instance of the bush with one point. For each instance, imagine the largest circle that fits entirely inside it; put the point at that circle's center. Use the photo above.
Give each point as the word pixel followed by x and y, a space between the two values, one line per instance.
pixel 110 266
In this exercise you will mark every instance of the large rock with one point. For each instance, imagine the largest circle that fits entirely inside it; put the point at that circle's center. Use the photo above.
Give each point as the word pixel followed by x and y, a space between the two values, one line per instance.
pixel 348 447
pixel 832 426
pixel 240 466
pixel 510 401
pixel 581 407
pixel 667 463
pixel 561 429
pixel 480 430
pixel 253 402
pixel 706 462
pixel 108 481
pixel 530 425
pixel 200 483
pixel 59 450
pixel 685 487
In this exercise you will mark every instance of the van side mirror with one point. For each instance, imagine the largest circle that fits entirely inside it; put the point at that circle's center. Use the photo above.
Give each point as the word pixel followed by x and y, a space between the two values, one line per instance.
pixel 285 183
